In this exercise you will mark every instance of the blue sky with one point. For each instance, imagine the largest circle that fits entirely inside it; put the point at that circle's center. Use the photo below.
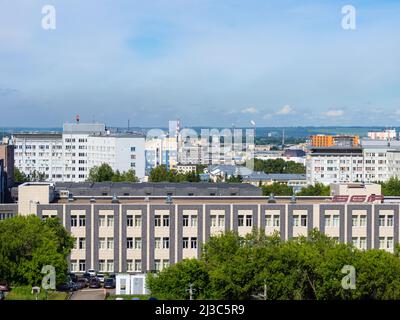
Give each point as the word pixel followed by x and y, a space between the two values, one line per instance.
pixel 207 62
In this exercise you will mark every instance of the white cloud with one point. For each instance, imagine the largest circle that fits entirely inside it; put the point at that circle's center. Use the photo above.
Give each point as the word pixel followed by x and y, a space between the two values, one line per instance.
pixel 334 113
pixel 285 110
pixel 267 116
pixel 250 110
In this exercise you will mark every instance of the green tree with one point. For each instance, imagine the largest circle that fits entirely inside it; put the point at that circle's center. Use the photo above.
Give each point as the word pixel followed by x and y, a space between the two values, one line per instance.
pixel 278 189
pixel 278 166
pixel 391 187
pixel 173 282
pixel 104 172
pixel 162 174
pixel 27 244
pixel 19 176
pixel 315 190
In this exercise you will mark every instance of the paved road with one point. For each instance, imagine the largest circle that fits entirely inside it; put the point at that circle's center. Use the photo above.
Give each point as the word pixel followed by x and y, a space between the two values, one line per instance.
pixel 89 294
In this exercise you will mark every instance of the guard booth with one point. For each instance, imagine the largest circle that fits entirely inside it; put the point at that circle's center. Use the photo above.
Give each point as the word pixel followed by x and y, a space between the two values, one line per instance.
pixel 131 284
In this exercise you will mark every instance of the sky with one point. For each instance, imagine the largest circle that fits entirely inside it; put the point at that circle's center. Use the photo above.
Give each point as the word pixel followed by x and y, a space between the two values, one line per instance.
pixel 206 62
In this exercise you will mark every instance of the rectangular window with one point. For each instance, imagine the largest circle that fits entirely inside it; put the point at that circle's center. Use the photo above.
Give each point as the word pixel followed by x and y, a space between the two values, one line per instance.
pixel 213 221
pixel 185 221
pixel 74 221
pixel 110 221
pixel 193 221
pixel 354 220
pixel 138 265
pixel 382 243
pixel 363 221
pixel 166 243
pixel 249 221
pixel 102 221
pixel 110 243
pixel 157 221
pixel 363 243
pixel 166 221
pixel 129 243
pixel 82 221
pixel 221 221
pixel 304 221
pixel 129 221
pixel 157 265
pixel 74 266
pixel 193 243
pixel 138 221
pixel 296 221
pixel 102 265
pixel 129 265
pixel 110 265
pixel 276 220
pixel 381 221
pixel 268 221
pixel 327 221
pixel 389 221
pixel 336 221
pixel 355 242
pixel 102 243
pixel 389 243
pixel 157 243
pixel 240 221
pixel 82 243
pixel 138 243
pixel 82 265
pixel 185 243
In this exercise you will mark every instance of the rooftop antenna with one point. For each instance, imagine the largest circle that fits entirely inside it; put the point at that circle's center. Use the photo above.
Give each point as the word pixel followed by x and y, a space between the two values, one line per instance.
pixel 77 118
pixel 128 124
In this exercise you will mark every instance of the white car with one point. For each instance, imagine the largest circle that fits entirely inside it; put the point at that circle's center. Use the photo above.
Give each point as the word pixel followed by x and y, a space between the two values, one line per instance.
pixel 92 272
pixel 100 276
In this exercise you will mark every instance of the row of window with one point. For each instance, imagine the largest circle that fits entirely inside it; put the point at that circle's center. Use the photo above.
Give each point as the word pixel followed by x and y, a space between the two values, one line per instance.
pixel 243 220
pixel 108 265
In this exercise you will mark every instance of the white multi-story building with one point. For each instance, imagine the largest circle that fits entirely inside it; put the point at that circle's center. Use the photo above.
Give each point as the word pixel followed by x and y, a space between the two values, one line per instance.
pixel 69 156
pixel 373 161
pixel 388 134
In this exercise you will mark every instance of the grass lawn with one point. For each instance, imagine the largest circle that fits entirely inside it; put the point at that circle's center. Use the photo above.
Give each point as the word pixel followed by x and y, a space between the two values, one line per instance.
pixel 128 297
pixel 24 293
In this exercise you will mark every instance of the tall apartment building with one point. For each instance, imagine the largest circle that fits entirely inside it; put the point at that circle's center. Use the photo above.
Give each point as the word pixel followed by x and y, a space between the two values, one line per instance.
pixel 2 181
pixel 69 156
pixel 138 228
pixel 372 161
pixel 322 140
pixel 388 134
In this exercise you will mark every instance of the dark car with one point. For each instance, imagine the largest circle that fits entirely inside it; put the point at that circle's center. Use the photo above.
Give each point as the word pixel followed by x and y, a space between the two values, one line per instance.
pixel 94 283
pixel 73 277
pixel 109 283
pixel 66 286
pixel 4 286
pixel 82 282
pixel 87 276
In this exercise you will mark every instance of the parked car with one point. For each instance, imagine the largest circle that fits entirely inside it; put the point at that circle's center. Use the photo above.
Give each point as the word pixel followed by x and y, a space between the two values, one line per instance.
pixel 109 283
pixel 4 286
pixel 94 283
pixel 87 276
pixel 92 272
pixel 83 283
pixel 112 276
pixel 66 286
pixel 100 276
pixel 73 277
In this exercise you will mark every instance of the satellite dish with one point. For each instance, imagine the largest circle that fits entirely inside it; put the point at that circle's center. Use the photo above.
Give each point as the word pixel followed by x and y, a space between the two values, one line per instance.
pixel 253 122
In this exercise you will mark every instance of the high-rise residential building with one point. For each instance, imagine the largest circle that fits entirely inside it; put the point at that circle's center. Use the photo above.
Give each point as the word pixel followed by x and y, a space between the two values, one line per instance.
pixel 2 181
pixel 388 134
pixel 69 156
pixel 372 161
pixel 322 140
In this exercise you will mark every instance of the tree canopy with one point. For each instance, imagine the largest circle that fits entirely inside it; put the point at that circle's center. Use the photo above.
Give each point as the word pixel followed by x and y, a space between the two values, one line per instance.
pixel 104 172
pixel 315 190
pixel 391 187
pixel 161 174
pixel 278 189
pixel 29 243
pixel 265 267
pixel 278 166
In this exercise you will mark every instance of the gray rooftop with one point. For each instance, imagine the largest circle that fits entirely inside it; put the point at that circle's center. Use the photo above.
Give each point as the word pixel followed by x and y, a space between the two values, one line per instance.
pixel 157 189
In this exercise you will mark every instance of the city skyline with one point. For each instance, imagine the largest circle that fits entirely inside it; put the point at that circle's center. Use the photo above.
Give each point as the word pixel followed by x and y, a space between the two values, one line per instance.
pixel 207 63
